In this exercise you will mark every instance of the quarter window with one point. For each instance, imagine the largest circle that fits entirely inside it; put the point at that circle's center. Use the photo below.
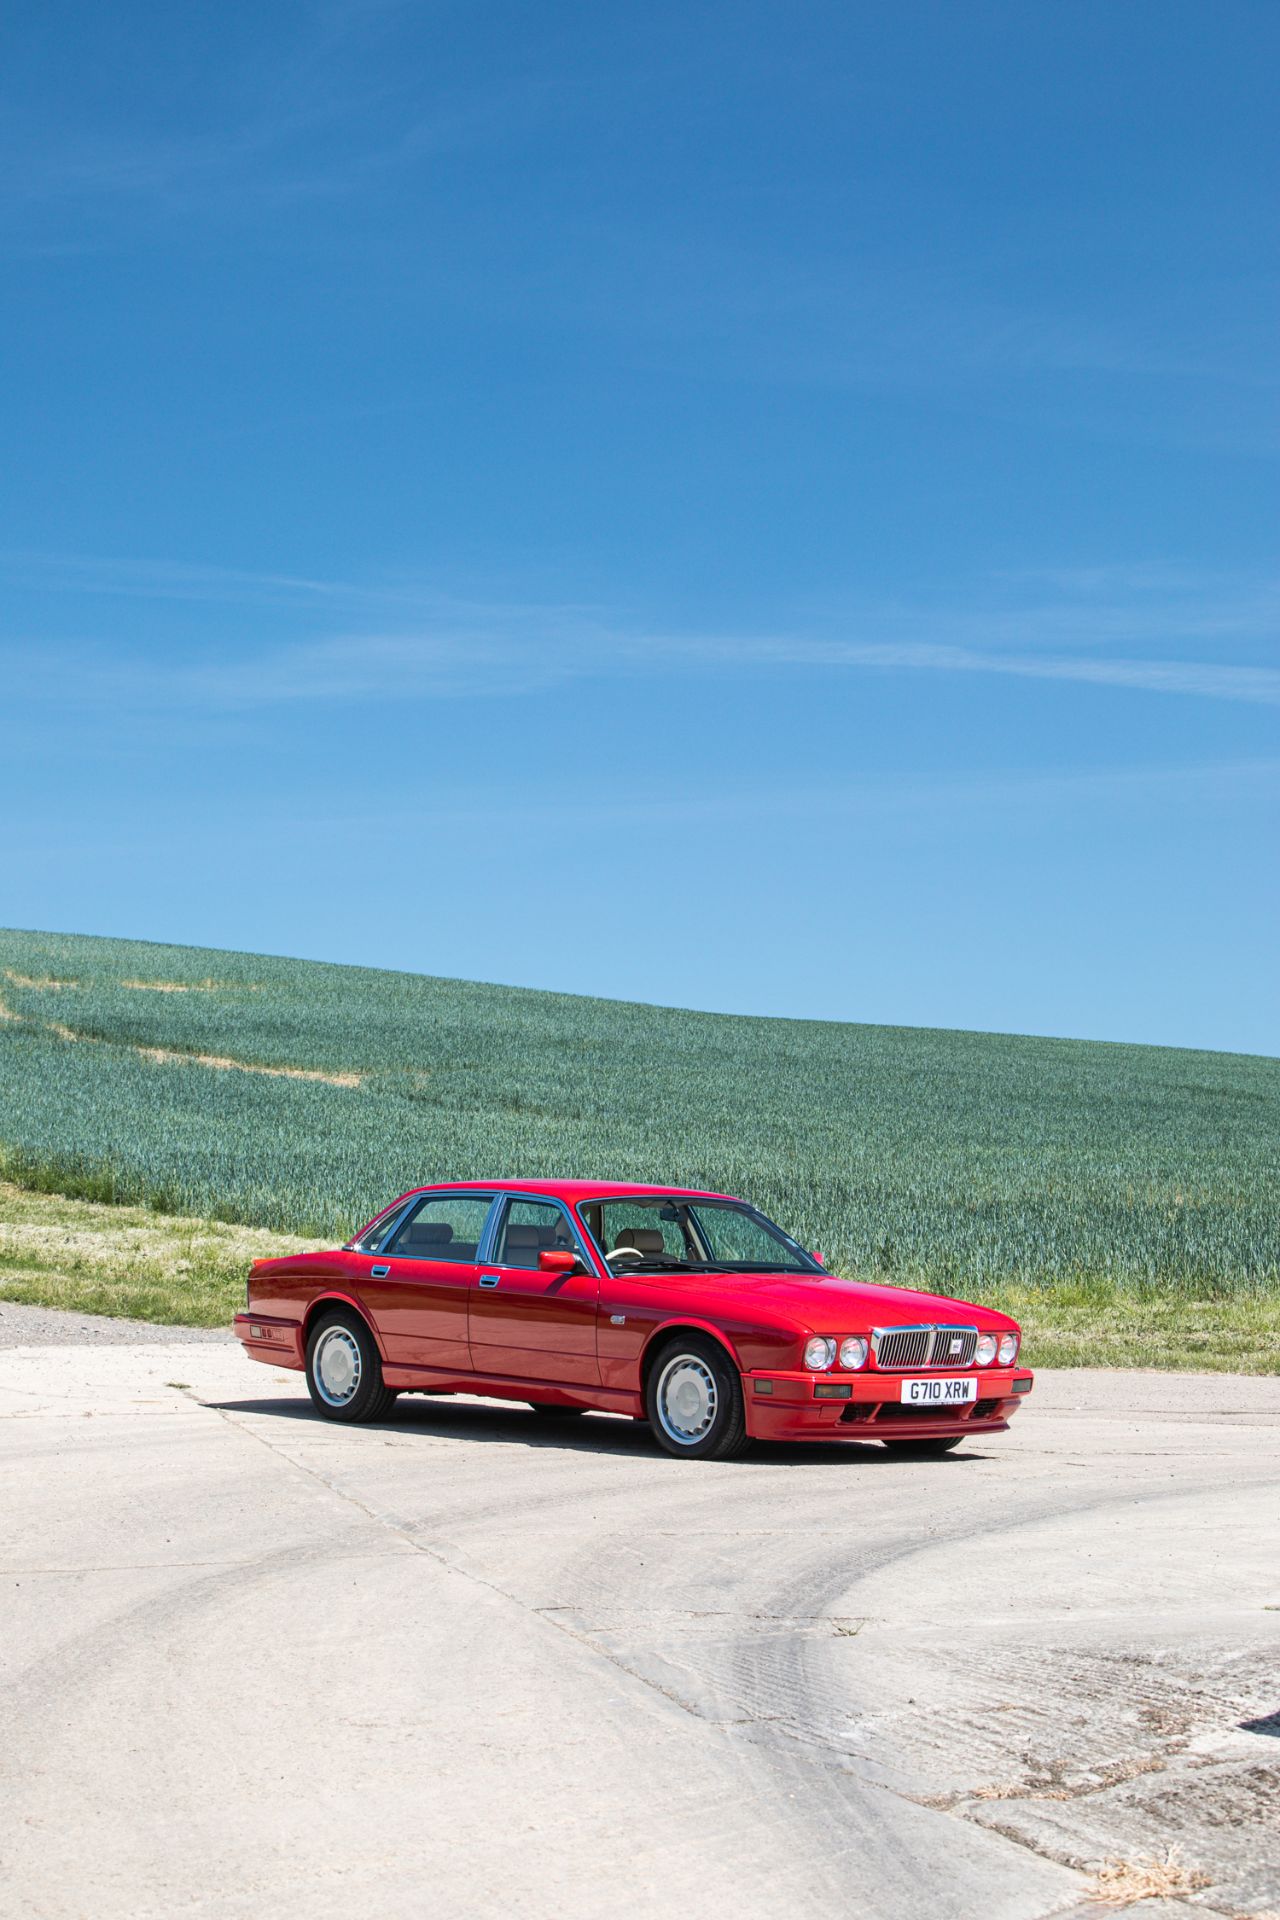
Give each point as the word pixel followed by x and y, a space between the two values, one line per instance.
pixel 446 1226
pixel 370 1242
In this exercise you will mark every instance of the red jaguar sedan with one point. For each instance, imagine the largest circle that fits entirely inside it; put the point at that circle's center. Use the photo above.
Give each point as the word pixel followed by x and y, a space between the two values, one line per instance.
pixel 689 1310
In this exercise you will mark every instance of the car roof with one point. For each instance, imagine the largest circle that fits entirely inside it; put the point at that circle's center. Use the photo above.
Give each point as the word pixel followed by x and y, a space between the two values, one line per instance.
pixel 570 1190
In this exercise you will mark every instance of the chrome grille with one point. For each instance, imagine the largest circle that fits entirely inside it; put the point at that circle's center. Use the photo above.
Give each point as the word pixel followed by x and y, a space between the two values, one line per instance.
pixel 901 1349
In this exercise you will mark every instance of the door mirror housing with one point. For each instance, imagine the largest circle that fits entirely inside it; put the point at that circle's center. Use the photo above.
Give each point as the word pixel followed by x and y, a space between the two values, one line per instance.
pixel 557 1260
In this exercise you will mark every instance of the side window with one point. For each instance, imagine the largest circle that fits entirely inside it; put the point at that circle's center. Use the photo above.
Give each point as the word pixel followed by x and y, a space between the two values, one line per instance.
pixel 447 1226
pixel 529 1227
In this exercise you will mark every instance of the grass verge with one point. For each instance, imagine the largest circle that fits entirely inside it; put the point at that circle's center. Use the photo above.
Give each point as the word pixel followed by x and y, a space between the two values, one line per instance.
pixel 57 1251
pixel 1105 1325
pixel 82 1254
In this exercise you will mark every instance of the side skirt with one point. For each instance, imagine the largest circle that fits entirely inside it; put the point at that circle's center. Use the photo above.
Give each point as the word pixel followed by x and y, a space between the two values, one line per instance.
pixel 505 1387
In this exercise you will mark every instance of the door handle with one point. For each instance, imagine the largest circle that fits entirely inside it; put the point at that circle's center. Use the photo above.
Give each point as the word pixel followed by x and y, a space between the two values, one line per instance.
pixel 379 1273
pixel 489 1279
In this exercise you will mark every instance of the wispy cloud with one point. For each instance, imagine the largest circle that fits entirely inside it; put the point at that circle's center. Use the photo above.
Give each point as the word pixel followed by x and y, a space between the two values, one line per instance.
pixel 1207 679
pixel 1152 630
pixel 206 584
pixel 458 664
pixel 1015 797
pixel 318 115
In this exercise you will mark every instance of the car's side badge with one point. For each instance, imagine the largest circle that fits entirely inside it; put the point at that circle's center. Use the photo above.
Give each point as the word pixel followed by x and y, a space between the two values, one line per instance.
pixel 617 1319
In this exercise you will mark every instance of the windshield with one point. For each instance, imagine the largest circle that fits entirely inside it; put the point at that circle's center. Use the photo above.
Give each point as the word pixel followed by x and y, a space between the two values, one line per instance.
pixel 692 1235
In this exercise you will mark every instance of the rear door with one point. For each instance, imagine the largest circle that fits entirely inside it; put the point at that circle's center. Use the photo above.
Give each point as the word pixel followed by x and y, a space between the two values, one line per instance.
pixel 416 1288
pixel 531 1325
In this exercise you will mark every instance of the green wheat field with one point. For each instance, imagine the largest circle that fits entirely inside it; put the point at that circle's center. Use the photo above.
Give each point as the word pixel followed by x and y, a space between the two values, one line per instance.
pixel 168 1112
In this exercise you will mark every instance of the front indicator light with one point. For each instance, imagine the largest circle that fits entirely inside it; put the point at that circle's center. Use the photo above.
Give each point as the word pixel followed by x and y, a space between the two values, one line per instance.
pixel 819 1354
pixel 1008 1349
pixel 853 1353
pixel 985 1351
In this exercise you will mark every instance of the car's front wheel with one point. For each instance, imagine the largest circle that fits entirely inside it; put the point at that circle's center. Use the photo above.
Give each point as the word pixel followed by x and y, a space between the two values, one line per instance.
pixel 693 1396
pixel 344 1372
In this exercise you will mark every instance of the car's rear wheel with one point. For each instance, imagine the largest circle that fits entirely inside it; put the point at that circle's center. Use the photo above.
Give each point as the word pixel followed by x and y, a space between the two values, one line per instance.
pixel 344 1372
pixel 693 1396
pixel 924 1447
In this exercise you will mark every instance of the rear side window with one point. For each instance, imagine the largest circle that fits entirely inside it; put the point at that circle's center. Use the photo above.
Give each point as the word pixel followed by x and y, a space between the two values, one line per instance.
pixel 443 1226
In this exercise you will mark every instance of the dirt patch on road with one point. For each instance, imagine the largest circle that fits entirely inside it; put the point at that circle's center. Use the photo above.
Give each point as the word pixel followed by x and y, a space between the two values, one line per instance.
pixel 1122 1883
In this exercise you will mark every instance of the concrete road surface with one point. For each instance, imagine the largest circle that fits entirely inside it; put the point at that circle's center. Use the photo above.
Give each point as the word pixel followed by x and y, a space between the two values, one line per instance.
pixel 475 1662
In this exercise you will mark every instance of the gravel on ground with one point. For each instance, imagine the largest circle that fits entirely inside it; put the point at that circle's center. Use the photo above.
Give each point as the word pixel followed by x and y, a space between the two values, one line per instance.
pixel 23 1326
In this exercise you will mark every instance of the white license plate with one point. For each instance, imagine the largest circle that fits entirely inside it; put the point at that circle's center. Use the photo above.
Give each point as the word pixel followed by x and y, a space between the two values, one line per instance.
pixel 939 1393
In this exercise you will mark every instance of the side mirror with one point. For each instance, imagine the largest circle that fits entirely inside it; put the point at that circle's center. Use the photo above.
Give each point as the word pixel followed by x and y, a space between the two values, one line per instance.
pixel 556 1260
pixel 818 1257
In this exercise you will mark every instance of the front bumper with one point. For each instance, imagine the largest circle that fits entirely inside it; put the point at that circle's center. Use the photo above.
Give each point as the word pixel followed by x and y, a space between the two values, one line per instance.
pixel 785 1406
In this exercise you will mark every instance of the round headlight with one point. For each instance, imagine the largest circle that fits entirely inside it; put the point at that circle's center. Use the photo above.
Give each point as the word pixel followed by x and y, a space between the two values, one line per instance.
pixel 819 1353
pixel 1008 1349
pixel 985 1351
pixel 853 1352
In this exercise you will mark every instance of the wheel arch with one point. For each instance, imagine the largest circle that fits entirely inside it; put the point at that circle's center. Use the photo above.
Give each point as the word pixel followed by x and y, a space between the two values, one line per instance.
pixel 327 1300
pixel 660 1336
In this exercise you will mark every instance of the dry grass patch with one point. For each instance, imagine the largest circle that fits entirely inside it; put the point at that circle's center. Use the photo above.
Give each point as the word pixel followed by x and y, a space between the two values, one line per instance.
pixel 168 1056
pixel 222 1062
pixel 1123 1883
pixel 93 1258
pixel 36 982
pixel 173 986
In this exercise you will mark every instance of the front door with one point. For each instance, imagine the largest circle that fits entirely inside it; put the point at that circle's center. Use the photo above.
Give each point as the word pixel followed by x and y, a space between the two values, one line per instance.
pixel 416 1289
pixel 531 1325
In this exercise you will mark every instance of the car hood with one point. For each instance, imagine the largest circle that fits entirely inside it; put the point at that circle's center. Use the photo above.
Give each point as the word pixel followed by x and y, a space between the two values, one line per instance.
pixel 828 1304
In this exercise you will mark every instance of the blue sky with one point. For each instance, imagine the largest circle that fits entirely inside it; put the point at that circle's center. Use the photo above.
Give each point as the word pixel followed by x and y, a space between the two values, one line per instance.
pixel 761 508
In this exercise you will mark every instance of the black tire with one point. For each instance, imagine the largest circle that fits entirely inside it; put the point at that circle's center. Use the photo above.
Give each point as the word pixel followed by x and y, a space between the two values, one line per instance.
pixel 549 1412
pixel 923 1448
pixel 350 1340
pixel 711 1408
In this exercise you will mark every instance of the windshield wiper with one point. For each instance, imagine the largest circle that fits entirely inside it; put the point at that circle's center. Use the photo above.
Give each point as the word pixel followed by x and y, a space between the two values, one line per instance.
pixel 671 1266
pixel 763 1266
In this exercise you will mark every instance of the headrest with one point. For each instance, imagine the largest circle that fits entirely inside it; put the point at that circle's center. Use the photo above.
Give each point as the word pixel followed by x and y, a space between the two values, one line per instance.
pixel 428 1233
pixel 643 1239
pixel 522 1237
